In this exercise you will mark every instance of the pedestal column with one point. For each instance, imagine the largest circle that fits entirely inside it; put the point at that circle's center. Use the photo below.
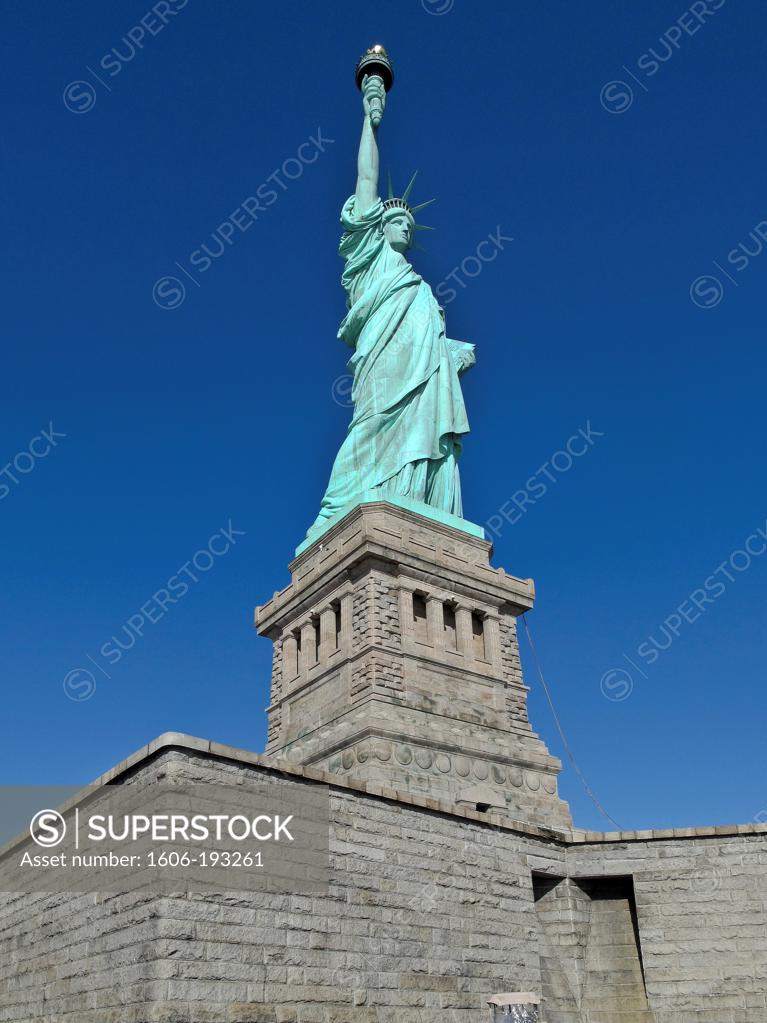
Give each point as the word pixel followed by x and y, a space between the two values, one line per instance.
pixel 327 633
pixel 435 623
pixel 465 633
pixel 308 647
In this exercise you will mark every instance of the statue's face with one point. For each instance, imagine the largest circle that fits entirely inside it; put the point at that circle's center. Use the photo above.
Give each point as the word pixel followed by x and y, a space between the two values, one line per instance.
pixel 398 231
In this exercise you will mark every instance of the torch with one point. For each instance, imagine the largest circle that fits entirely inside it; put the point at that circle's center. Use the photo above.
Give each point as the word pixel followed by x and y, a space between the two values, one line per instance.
pixel 375 63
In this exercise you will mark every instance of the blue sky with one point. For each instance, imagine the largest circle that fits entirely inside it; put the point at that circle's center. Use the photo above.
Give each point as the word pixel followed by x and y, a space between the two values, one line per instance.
pixel 621 147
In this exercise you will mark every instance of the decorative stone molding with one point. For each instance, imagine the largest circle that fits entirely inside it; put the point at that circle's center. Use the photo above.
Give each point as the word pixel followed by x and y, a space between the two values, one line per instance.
pixel 439 762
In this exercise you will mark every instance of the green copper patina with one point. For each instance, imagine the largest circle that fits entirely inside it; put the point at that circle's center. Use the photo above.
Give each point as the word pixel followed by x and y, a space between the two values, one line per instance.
pixel 404 440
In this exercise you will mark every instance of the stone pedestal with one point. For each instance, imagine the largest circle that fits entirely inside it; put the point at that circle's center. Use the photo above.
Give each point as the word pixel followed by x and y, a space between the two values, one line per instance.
pixel 396 661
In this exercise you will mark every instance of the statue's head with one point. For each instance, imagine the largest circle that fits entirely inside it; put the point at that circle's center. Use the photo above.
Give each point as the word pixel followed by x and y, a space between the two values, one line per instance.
pixel 398 225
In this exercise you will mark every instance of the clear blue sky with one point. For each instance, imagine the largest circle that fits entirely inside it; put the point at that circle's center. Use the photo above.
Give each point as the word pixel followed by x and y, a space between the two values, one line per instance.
pixel 181 420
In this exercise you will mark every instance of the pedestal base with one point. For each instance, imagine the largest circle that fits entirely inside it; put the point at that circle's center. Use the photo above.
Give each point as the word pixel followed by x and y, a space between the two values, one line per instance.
pixel 396 661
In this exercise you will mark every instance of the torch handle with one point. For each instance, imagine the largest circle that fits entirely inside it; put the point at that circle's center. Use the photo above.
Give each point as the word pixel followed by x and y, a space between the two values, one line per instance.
pixel 374 103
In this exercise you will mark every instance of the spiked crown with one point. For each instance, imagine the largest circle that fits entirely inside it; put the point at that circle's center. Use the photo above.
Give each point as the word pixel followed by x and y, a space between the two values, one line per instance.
pixel 393 202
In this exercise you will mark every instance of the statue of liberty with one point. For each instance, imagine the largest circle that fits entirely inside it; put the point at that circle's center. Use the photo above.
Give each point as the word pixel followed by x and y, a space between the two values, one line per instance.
pixel 404 439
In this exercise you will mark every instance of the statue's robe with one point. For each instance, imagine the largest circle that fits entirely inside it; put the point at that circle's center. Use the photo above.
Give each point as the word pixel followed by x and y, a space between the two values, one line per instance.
pixel 409 414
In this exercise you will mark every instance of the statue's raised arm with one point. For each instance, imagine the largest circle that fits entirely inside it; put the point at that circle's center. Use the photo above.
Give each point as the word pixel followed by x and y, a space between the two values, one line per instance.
pixel 373 102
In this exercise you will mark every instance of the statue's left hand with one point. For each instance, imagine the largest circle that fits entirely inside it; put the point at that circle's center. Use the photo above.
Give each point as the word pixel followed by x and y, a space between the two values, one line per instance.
pixel 463 355
pixel 466 361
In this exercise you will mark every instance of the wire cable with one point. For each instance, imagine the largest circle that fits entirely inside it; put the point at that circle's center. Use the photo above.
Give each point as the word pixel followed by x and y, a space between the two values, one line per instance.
pixel 589 791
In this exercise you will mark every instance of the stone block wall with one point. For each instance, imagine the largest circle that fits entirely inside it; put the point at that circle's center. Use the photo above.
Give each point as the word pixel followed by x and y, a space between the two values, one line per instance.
pixel 701 902
pixel 426 917
pixel 84 958
pixel 431 909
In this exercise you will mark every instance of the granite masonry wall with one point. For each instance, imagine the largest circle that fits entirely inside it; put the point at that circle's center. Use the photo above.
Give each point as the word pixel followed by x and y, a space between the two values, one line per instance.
pixel 701 907
pixel 431 909
pixel 90 958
